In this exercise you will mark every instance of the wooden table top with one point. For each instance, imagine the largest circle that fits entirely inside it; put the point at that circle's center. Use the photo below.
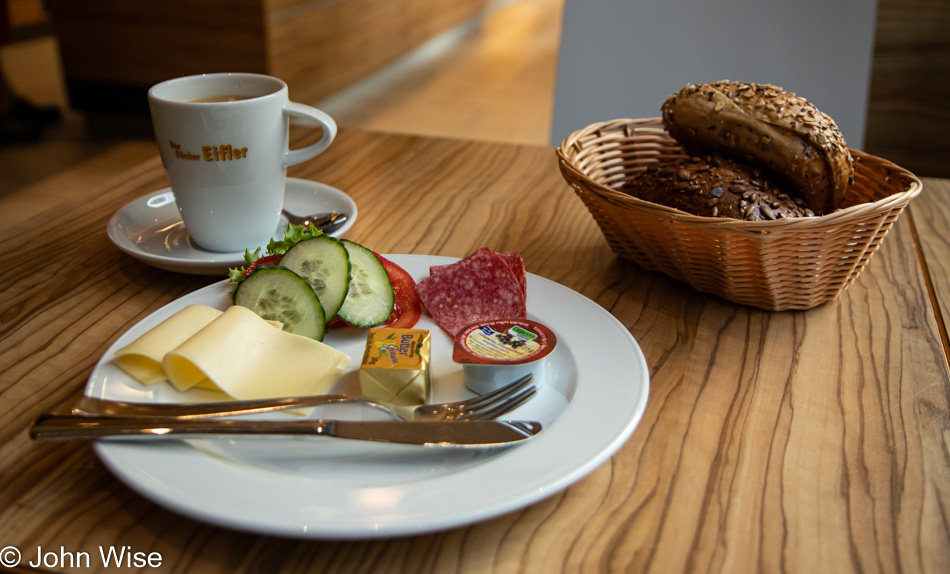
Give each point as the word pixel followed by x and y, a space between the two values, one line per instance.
pixel 809 441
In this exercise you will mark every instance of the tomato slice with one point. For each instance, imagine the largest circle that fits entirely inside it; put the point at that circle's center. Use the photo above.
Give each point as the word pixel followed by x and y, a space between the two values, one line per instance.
pixel 262 262
pixel 408 308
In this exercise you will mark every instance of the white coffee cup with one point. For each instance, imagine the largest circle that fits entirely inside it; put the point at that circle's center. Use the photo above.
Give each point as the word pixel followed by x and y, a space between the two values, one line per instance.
pixel 224 143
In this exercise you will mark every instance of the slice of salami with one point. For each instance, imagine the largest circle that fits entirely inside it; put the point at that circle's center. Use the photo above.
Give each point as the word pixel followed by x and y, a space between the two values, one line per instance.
pixel 512 258
pixel 480 287
pixel 516 264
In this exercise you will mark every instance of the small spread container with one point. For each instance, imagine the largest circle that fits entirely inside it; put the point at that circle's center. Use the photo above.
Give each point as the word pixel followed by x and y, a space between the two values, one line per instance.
pixel 497 352
pixel 395 366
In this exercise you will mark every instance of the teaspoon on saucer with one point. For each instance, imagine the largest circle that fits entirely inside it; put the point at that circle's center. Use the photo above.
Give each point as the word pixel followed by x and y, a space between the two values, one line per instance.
pixel 326 222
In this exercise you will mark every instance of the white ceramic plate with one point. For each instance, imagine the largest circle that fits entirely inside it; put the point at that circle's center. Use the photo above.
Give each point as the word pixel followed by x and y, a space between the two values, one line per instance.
pixel 151 230
pixel 593 392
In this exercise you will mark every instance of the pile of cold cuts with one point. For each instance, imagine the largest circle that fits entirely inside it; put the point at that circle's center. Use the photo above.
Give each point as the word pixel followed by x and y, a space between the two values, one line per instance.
pixel 485 285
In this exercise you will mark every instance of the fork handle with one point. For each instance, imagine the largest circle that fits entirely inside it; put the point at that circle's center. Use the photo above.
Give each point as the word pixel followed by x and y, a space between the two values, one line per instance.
pixel 91 406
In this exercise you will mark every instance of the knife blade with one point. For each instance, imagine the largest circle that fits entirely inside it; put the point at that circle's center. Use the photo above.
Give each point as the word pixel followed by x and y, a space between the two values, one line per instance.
pixel 481 433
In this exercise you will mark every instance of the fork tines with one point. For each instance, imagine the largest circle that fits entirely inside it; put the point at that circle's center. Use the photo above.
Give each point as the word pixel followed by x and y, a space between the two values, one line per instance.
pixel 500 401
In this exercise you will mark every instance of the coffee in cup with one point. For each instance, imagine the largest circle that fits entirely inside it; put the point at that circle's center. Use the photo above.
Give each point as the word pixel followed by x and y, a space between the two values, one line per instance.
pixel 223 98
pixel 223 139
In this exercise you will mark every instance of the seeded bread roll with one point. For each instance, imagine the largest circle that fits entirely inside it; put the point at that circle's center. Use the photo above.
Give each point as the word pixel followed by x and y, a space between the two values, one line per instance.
pixel 714 187
pixel 765 126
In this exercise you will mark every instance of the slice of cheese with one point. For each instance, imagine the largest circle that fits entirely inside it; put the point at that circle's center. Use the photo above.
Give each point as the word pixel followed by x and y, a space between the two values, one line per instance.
pixel 142 359
pixel 246 357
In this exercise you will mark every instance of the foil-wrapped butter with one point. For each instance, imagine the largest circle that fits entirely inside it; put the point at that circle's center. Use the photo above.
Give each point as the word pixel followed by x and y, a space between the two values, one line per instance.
pixel 395 366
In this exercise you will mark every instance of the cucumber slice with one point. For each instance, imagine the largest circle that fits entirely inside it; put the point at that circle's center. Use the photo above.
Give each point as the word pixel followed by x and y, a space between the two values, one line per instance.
pixel 279 294
pixel 370 298
pixel 323 262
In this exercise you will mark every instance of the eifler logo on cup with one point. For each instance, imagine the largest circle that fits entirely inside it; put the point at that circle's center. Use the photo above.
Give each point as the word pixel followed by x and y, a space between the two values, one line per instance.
pixel 223 139
pixel 211 153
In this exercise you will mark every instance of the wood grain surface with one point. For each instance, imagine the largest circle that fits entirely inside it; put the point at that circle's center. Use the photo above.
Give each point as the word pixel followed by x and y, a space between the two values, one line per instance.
pixel 772 442
pixel 929 217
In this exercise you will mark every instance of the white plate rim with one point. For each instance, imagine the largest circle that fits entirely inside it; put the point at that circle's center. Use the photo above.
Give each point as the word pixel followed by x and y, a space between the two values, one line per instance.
pixel 206 262
pixel 571 448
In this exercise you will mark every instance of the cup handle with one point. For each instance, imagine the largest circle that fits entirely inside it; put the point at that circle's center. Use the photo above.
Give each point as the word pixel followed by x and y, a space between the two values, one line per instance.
pixel 295 156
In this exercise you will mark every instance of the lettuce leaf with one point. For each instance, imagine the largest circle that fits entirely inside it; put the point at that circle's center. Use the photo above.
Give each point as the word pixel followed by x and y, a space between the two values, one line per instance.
pixel 293 235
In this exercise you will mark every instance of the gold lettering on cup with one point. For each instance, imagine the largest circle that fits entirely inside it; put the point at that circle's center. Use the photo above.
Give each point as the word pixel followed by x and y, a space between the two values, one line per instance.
pixel 224 152
pixel 182 154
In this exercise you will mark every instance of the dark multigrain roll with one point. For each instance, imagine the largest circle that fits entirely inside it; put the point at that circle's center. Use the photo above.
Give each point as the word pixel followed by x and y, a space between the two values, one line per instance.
pixel 765 126
pixel 715 186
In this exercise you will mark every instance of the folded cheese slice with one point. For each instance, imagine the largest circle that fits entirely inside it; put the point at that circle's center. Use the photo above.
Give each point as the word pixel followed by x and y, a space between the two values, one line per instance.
pixel 142 358
pixel 248 358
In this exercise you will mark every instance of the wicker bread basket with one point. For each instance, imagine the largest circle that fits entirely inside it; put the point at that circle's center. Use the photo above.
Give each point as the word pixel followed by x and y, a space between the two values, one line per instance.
pixel 786 264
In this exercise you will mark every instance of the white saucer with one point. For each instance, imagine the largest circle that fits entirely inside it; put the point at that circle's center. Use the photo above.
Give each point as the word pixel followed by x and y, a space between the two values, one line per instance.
pixel 151 230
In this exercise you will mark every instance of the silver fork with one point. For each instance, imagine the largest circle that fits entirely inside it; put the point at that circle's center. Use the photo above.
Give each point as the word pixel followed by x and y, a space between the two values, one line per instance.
pixel 487 406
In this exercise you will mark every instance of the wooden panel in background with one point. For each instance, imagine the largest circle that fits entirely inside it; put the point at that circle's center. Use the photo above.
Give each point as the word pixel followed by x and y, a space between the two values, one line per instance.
pixel 322 47
pixel 26 13
pixel 908 116
pixel 114 50
pixel 141 43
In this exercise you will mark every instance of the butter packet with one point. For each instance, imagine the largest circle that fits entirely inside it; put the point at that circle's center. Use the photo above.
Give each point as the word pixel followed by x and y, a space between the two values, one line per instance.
pixel 395 366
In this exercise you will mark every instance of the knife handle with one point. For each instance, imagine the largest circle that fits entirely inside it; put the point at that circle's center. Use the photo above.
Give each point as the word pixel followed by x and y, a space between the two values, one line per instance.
pixel 75 427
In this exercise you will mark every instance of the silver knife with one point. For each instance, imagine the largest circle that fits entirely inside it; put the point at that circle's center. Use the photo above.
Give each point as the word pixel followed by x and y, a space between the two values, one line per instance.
pixel 481 433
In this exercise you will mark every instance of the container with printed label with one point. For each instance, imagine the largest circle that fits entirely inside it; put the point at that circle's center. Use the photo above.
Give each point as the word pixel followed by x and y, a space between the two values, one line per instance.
pixel 497 352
